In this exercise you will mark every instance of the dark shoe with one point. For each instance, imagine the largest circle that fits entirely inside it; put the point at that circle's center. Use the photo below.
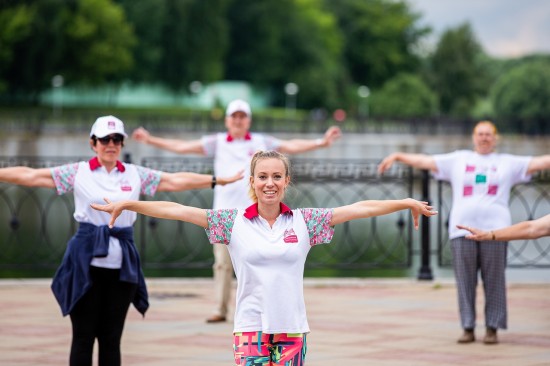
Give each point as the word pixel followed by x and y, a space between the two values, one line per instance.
pixel 467 337
pixel 490 336
pixel 216 319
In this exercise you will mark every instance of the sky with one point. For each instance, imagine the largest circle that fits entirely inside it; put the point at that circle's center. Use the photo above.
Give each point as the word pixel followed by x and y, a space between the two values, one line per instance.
pixel 504 28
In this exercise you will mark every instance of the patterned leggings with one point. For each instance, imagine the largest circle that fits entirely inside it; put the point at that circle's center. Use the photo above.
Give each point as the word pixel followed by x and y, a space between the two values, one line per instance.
pixel 258 349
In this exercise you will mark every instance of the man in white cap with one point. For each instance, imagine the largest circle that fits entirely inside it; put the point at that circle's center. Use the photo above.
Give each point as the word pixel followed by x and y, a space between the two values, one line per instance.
pixel 232 151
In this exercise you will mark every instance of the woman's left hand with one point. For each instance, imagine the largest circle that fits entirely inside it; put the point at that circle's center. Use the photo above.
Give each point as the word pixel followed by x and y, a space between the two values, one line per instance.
pixel 476 234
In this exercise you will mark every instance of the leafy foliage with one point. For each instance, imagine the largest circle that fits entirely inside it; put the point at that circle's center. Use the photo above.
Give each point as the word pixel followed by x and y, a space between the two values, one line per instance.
pixel 457 72
pixel 378 38
pixel 88 41
pixel 406 95
pixel 520 97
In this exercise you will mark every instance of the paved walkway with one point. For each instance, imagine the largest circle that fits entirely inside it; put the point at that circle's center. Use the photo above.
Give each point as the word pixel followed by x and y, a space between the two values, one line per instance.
pixel 353 323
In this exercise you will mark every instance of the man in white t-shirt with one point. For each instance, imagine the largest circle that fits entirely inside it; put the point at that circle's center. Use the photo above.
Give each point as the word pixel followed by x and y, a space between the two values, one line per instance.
pixel 232 151
pixel 481 182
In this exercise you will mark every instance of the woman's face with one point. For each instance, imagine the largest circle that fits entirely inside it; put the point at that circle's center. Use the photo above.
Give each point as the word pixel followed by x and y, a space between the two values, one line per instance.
pixel 108 148
pixel 269 181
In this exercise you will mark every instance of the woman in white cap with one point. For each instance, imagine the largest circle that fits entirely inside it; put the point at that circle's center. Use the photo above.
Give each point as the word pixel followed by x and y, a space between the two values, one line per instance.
pixel 100 274
pixel 268 244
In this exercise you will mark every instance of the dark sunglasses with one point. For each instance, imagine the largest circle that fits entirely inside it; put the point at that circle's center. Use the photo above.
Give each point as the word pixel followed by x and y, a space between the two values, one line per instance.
pixel 117 140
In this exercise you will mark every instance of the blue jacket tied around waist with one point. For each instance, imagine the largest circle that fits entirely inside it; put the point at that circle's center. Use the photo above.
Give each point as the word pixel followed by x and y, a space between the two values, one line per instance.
pixel 72 279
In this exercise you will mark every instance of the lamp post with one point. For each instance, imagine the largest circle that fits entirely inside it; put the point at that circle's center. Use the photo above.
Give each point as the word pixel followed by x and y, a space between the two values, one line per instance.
pixel 57 95
pixel 195 87
pixel 291 90
pixel 363 92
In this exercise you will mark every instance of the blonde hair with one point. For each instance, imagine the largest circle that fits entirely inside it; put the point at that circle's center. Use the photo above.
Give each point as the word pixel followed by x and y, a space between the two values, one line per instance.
pixel 489 123
pixel 262 155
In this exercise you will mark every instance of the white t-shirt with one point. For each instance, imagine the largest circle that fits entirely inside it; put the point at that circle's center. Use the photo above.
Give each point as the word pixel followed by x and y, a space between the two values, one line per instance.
pixel 481 186
pixel 229 158
pixel 91 182
pixel 269 263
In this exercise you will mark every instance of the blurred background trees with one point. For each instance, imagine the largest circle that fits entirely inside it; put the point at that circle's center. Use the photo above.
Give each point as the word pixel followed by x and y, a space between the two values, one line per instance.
pixel 332 51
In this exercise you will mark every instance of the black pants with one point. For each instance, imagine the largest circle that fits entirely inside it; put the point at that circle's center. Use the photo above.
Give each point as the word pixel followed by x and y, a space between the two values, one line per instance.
pixel 101 314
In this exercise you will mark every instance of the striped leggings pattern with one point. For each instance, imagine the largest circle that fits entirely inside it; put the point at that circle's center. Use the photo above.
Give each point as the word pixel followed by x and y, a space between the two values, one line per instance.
pixel 259 349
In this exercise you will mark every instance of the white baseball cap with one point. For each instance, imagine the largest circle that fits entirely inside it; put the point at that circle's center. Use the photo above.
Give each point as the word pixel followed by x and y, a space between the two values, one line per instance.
pixel 238 105
pixel 106 125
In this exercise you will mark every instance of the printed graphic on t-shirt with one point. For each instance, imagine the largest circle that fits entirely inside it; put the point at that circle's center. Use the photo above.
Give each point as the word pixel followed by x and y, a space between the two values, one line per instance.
pixel 125 186
pixel 478 180
pixel 290 236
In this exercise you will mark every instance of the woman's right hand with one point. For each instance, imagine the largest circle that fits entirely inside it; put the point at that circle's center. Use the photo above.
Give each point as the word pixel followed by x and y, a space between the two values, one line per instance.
pixel 141 135
pixel 112 208
pixel 386 163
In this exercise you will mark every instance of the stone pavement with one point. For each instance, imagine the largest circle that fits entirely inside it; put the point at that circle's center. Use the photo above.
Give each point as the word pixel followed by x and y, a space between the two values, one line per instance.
pixel 354 322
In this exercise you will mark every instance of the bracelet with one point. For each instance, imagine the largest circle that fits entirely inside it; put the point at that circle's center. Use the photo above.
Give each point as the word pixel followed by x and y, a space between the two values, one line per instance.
pixel 213 181
pixel 492 235
pixel 319 142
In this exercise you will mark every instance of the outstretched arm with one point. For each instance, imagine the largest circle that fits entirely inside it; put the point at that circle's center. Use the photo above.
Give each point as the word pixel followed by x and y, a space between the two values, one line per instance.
pixel 420 161
pixel 29 177
pixel 160 209
pixel 532 229
pixel 296 146
pixel 174 145
pixel 371 208
pixel 538 163
pixel 183 181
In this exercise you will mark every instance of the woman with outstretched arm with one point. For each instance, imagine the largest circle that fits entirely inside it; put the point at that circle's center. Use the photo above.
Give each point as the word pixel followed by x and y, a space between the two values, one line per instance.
pixel 531 229
pixel 268 243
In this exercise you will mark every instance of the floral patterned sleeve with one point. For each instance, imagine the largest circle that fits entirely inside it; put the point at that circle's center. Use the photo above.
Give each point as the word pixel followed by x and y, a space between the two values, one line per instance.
pixel 150 180
pixel 63 177
pixel 220 225
pixel 318 224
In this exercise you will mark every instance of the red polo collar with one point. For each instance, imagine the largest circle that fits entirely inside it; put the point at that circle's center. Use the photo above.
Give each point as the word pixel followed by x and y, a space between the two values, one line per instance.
pixel 94 164
pixel 230 138
pixel 252 211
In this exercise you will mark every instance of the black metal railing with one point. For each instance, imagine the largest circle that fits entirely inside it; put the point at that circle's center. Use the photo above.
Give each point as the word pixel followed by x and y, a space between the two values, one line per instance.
pixel 35 223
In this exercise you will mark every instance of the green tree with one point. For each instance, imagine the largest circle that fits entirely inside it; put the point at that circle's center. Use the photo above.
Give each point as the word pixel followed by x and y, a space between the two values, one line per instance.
pixel 273 42
pixel 379 36
pixel 404 96
pixel 86 41
pixel 457 71
pixel 16 25
pixel 193 41
pixel 100 43
pixel 147 18
pixel 179 40
pixel 36 53
pixel 520 97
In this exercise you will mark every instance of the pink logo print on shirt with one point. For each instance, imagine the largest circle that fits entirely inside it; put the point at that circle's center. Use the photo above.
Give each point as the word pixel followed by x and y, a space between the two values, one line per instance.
pixel 125 186
pixel 290 236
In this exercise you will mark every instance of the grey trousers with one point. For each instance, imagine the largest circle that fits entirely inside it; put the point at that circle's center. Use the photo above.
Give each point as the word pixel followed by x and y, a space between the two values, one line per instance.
pixel 488 258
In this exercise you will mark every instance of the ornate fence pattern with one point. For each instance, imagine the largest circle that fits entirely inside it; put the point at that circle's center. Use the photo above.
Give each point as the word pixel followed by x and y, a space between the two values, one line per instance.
pixel 35 224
